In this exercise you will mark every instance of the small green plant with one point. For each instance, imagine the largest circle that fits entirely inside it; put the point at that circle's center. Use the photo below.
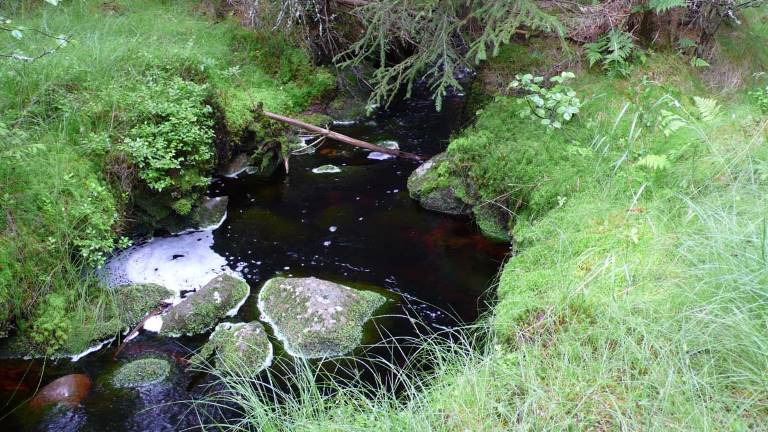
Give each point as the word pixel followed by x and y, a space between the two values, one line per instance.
pixel 615 51
pixel 50 327
pixel 761 98
pixel 553 106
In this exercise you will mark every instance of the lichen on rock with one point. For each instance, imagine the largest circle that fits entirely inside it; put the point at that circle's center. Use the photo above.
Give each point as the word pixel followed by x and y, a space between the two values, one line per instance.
pixel 316 318
pixel 142 372
pixel 234 346
pixel 202 309
pixel 436 191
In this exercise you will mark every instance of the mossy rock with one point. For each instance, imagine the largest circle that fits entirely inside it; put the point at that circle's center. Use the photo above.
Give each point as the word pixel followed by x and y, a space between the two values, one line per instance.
pixel 435 189
pixel 493 221
pixel 205 307
pixel 135 300
pixel 316 318
pixel 234 346
pixel 142 372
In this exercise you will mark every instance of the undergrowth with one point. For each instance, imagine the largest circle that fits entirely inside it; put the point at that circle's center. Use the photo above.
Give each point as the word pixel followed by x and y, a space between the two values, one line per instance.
pixel 124 115
pixel 635 299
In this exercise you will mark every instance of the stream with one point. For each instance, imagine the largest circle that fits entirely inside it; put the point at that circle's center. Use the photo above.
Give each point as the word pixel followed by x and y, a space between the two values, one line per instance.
pixel 358 227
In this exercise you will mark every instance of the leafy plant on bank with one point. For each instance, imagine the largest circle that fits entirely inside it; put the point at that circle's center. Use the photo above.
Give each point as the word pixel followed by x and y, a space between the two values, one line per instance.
pixel 615 52
pixel 552 106
pixel 171 140
pixel 761 98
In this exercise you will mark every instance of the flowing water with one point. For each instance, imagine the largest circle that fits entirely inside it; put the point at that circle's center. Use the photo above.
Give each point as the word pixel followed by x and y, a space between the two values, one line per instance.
pixel 357 226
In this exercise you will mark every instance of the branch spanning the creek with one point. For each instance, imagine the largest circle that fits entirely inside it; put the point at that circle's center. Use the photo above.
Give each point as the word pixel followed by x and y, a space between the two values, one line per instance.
pixel 340 137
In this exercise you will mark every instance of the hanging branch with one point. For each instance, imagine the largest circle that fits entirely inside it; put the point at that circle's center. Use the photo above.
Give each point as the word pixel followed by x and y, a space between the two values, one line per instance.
pixel 340 137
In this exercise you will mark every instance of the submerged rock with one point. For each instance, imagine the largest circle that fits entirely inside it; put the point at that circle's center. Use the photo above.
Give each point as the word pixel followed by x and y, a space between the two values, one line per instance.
pixel 326 169
pixel 202 309
pixel 236 346
pixel 314 317
pixel 435 192
pixel 142 372
pixel 68 390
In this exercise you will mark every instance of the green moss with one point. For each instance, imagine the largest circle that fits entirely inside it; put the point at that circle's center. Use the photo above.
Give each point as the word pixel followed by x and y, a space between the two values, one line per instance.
pixel 205 307
pixel 236 346
pixel 316 318
pixel 143 372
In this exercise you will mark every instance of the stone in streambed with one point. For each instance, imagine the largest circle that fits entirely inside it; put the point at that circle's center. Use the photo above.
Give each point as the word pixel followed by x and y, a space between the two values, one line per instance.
pixel 202 309
pixel 68 390
pixel 142 372
pixel 316 318
pixel 210 212
pixel 435 192
pixel 236 166
pixel 234 346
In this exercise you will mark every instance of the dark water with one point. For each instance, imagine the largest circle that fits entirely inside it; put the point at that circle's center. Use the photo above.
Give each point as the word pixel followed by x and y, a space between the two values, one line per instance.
pixel 358 227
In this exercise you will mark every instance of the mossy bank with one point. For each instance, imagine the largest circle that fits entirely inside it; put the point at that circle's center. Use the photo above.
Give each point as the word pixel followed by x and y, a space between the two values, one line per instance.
pixel 128 142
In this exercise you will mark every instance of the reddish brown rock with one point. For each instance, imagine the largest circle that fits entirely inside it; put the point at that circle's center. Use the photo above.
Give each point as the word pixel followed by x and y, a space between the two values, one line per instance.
pixel 68 390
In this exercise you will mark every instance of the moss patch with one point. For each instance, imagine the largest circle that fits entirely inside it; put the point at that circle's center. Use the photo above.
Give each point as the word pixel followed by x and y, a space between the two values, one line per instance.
pixel 143 372
pixel 316 318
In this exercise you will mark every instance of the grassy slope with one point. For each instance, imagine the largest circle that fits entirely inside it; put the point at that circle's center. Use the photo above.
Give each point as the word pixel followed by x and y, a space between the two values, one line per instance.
pixel 57 202
pixel 637 298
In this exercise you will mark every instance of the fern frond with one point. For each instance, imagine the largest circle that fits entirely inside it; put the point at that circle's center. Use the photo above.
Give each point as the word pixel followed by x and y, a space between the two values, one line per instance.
pixel 708 108
pixel 661 6
pixel 654 162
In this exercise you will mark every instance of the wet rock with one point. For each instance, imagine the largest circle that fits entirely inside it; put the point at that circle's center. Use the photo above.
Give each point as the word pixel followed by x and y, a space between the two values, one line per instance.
pixel 326 169
pixel 68 390
pixel 236 166
pixel 237 346
pixel 314 317
pixel 202 309
pixel 435 192
pixel 142 372
pixel 493 221
pixel 210 212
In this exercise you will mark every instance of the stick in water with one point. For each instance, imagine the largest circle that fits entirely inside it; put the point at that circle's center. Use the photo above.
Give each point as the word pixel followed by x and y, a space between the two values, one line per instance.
pixel 340 137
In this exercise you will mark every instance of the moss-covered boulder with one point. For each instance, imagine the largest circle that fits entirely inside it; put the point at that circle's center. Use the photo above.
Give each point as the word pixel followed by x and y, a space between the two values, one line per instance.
pixel 135 300
pixel 436 190
pixel 235 346
pixel 142 372
pixel 314 317
pixel 202 309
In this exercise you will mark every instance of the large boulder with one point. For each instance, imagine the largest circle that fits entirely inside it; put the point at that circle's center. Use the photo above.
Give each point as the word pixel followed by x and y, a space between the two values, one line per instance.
pixel 316 318
pixel 202 309
pixel 68 390
pixel 437 191
pixel 234 346
pixel 142 372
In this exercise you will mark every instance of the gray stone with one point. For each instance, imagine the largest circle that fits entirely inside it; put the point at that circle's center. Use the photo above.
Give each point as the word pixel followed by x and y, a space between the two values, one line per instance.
pixel 237 346
pixel 316 318
pixel 210 212
pixel 236 166
pixel 202 309
pixel 435 193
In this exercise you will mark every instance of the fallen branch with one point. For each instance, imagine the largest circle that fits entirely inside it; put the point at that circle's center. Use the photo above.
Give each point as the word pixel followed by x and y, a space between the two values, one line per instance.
pixel 340 137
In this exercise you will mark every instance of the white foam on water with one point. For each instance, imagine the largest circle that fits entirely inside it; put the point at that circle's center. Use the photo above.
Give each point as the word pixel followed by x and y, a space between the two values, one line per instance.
pixel 344 122
pixel 154 324
pixel 184 262
pixel 94 348
pixel 379 156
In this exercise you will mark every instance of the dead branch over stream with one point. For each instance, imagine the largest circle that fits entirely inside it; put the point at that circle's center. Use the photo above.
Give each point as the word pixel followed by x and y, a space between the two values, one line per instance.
pixel 341 137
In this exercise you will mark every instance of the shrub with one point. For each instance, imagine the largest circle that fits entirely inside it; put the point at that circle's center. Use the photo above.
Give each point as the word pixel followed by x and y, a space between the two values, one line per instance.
pixel 170 140
pixel 761 98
